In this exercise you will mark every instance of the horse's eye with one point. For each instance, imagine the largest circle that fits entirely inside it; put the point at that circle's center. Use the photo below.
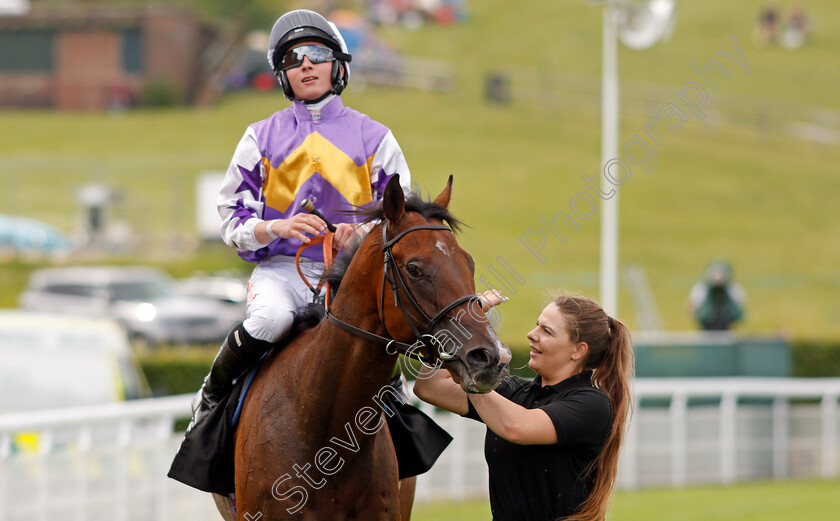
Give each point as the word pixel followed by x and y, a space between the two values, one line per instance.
pixel 414 271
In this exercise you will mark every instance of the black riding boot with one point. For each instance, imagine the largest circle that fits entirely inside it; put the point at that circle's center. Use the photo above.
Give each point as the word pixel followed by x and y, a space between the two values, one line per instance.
pixel 239 352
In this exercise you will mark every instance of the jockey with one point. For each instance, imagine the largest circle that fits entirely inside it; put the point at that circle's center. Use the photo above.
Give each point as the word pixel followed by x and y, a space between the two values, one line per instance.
pixel 315 149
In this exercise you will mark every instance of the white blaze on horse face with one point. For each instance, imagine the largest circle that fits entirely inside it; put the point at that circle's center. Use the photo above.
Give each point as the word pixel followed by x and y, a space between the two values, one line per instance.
pixel 442 247
pixel 504 352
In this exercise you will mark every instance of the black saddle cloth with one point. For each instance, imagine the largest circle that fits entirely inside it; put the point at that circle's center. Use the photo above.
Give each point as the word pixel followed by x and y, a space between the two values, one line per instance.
pixel 206 458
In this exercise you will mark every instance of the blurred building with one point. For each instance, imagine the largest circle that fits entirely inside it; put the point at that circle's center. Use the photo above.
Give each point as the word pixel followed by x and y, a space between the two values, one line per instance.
pixel 108 57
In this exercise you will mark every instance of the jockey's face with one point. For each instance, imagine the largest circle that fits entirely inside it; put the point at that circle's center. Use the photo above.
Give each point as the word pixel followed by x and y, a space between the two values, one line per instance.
pixel 310 81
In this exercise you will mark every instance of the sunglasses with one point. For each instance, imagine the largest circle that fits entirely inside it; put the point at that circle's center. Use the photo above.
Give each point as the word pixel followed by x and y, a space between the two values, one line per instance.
pixel 315 53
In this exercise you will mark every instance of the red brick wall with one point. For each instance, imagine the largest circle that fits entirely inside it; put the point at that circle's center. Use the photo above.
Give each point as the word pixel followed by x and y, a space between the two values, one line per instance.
pixel 26 90
pixel 171 51
pixel 88 68
pixel 88 59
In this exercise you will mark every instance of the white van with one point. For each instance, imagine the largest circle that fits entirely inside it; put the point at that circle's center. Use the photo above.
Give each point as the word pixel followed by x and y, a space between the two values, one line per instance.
pixel 50 361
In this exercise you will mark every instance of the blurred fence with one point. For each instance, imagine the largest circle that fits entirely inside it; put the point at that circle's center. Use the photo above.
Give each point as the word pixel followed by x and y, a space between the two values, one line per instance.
pixel 409 72
pixel 814 124
pixel 723 430
pixel 688 431
pixel 106 462
pixel 147 202
pixel 110 462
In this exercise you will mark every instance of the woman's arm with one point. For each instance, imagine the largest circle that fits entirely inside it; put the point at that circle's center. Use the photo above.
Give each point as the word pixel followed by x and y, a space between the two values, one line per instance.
pixel 513 422
pixel 509 420
pixel 437 387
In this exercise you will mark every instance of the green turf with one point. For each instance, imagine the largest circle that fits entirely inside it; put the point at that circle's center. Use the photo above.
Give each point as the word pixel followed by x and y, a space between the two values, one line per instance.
pixel 733 185
pixel 778 501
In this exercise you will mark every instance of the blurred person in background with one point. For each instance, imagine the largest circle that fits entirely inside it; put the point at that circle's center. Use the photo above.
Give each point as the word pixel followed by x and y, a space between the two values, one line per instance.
pixel 797 28
pixel 552 443
pixel 717 302
pixel 766 31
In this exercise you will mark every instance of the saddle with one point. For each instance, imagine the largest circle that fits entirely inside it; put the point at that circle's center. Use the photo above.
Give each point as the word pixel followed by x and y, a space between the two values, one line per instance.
pixel 205 459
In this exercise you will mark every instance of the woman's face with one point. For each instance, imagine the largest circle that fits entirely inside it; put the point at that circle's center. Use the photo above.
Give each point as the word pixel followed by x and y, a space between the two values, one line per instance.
pixel 310 81
pixel 553 354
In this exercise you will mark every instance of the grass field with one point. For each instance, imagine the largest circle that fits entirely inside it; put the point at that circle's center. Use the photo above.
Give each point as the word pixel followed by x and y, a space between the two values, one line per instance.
pixel 778 501
pixel 736 184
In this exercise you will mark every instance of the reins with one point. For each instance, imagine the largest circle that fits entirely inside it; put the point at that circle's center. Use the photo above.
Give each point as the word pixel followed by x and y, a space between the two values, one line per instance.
pixel 329 255
pixel 392 275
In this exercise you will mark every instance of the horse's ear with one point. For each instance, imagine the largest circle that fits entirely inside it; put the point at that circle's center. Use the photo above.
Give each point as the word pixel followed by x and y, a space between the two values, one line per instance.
pixel 393 200
pixel 443 199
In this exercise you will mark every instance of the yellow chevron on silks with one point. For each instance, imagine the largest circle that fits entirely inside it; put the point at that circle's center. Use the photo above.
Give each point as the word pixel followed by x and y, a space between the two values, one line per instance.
pixel 316 154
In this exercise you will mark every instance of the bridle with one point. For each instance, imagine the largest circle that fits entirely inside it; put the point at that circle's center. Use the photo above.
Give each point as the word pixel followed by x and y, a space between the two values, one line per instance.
pixel 392 275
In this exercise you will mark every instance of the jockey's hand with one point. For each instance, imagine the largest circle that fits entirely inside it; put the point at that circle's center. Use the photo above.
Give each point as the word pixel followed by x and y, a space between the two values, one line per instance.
pixel 296 226
pixel 491 298
pixel 347 235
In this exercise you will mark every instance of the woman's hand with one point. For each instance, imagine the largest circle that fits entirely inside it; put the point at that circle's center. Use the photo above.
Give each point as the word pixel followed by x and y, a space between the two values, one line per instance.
pixel 491 298
pixel 346 235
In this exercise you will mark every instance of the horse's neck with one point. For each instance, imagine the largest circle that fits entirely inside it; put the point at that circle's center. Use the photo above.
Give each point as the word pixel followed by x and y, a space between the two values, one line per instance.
pixel 350 369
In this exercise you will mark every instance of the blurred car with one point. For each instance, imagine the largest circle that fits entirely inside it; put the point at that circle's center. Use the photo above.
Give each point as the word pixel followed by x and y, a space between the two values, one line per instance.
pixel 228 290
pixel 23 236
pixel 146 301
pixel 52 361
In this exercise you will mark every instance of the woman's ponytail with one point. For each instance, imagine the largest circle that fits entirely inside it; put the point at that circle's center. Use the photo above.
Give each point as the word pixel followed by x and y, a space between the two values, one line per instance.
pixel 610 356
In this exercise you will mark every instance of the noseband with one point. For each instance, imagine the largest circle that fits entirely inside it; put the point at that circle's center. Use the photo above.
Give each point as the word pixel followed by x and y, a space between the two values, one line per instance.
pixel 391 273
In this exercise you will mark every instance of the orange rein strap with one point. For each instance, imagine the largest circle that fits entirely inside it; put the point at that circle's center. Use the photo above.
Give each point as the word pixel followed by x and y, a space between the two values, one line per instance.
pixel 329 254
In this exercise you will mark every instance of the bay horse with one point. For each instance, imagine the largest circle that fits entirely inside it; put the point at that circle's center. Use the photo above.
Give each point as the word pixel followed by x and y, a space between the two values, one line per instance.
pixel 310 443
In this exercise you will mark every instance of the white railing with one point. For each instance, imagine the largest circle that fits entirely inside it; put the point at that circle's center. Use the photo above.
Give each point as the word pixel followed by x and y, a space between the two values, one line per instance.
pixel 110 462
pixel 105 462
pixel 689 431
pixel 722 430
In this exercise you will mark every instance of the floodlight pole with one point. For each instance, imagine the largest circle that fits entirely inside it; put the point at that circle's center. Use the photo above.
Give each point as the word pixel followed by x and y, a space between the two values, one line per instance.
pixel 609 150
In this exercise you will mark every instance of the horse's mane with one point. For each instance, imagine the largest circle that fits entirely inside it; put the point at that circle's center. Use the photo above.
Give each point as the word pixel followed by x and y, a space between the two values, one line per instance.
pixel 414 202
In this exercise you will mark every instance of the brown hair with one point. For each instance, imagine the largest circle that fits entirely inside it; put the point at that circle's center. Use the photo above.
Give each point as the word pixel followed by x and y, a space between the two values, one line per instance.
pixel 610 356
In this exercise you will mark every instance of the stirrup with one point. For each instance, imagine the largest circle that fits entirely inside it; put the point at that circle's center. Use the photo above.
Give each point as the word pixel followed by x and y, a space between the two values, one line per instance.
pixel 200 406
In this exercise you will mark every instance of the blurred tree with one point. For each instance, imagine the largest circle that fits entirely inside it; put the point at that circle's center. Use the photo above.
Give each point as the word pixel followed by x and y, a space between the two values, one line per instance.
pixel 251 14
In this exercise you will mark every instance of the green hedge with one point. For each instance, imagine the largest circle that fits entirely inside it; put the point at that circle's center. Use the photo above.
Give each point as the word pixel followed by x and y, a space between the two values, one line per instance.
pixel 181 370
pixel 176 370
pixel 811 358
pixel 816 358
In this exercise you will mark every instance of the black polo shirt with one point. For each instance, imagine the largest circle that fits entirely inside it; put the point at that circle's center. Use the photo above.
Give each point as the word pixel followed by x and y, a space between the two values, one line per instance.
pixel 543 482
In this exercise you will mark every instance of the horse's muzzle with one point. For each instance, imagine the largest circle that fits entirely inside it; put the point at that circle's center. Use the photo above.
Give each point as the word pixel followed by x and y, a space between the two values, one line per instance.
pixel 485 368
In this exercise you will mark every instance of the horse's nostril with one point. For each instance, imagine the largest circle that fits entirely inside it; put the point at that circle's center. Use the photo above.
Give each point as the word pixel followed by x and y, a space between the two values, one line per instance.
pixel 479 357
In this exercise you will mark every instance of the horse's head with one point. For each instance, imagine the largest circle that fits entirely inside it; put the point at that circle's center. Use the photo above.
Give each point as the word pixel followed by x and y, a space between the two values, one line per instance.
pixel 428 291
